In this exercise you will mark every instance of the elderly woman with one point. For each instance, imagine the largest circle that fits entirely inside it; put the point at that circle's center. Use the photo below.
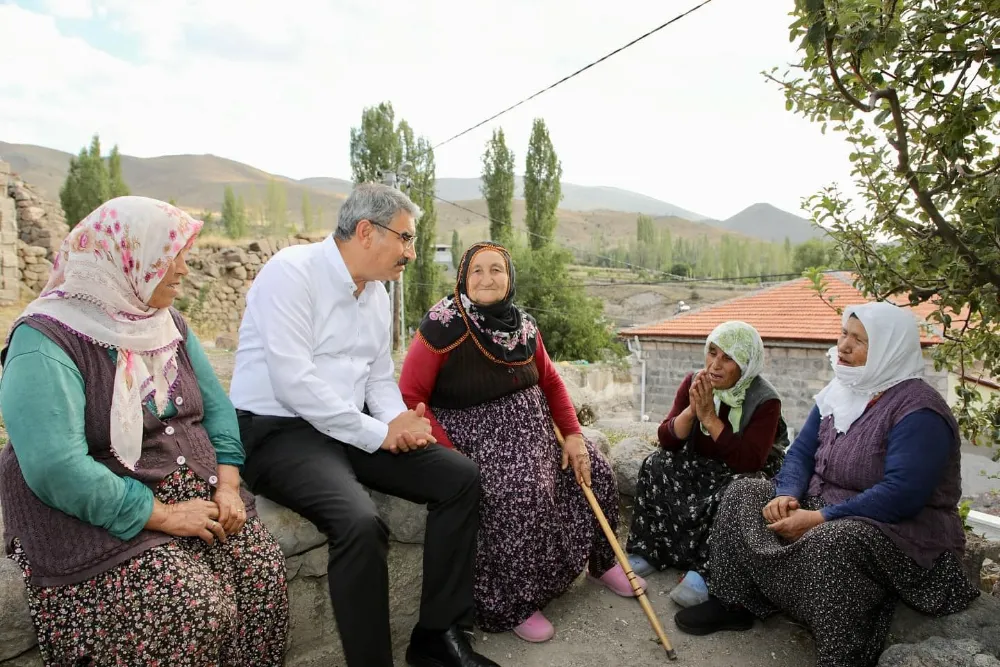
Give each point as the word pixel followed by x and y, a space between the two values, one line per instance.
pixel 478 362
pixel 121 485
pixel 725 423
pixel 864 511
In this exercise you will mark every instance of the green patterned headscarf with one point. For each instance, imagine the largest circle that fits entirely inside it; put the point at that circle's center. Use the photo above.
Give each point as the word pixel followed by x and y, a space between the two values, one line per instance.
pixel 742 343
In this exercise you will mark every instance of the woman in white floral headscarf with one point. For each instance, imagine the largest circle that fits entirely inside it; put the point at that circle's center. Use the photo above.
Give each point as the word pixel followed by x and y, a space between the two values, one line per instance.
pixel 121 482
pixel 725 423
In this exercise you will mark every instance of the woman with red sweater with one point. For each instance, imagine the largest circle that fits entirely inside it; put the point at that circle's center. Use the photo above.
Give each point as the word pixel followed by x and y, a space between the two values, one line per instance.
pixel 725 423
pixel 491 391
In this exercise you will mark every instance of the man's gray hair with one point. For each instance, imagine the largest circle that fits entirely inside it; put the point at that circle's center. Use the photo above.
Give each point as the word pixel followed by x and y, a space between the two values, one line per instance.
pixel 374 202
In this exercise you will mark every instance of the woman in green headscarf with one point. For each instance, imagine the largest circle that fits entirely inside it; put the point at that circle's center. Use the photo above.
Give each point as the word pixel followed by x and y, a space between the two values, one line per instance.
pixel 725 423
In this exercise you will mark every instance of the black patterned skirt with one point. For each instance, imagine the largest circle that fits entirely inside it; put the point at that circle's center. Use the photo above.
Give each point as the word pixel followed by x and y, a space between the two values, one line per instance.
pixel 183 604
pixel 536 531
pixel 676 498
pixel 842 578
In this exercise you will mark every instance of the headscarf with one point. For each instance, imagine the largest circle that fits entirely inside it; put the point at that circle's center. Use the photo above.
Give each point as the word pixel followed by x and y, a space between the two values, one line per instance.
pixel 742 344
pixel 894 356
pixel 503 332
pixel 103 277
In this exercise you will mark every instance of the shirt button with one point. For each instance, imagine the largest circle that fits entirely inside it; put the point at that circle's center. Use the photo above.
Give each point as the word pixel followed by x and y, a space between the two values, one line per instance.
pixel 213 480
pixel 179 400
pixel 181 460
pixel 169 430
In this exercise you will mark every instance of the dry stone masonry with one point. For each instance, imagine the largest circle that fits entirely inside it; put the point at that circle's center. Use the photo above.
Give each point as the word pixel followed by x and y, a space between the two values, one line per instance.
pixel 9 271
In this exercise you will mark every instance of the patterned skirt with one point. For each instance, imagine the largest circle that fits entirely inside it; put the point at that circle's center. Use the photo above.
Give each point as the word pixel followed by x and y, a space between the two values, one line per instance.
pixel 183 604
pixel 842 578
pixel 676 498
pixel 536 530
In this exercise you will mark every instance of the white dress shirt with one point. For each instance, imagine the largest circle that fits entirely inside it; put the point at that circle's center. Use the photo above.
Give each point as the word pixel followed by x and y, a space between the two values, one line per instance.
pixel 308 348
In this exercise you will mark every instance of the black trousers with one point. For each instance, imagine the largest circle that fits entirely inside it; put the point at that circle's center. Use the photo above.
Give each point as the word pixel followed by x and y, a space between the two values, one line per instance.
pixel 293 464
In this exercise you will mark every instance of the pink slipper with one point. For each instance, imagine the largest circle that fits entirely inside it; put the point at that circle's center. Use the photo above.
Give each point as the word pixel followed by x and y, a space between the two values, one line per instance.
pixel 536 629
pixel 616 581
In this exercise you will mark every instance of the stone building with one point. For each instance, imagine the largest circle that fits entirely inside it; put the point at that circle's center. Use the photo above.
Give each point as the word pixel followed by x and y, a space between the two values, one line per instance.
pixel 796 325
pixel 9 271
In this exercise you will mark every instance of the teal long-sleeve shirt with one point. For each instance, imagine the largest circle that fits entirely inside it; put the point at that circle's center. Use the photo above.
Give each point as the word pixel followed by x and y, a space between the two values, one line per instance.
pixel 42 400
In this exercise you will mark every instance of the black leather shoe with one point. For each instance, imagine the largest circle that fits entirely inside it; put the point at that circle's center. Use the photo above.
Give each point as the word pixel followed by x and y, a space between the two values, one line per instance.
pixel 711 616
pixel 433 648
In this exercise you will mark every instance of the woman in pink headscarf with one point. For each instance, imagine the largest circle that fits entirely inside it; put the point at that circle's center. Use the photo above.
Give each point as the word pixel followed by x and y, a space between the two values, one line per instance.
pixel 121 483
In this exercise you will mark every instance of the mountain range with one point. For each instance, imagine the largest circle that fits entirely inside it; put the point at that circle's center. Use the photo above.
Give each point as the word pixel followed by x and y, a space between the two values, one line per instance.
pixel 197 182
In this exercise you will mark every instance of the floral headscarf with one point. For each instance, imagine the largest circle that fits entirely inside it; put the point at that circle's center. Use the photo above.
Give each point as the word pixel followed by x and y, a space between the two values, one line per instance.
pixel 502 331
pixel 742 343
pixel 103 277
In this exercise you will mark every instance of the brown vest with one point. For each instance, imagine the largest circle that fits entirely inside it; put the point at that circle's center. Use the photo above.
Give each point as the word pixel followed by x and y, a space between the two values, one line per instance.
pixel 849 463
pixel 63 549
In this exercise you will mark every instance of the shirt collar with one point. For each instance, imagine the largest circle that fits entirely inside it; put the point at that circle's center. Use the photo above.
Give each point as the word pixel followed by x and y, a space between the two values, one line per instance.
pixel 340 273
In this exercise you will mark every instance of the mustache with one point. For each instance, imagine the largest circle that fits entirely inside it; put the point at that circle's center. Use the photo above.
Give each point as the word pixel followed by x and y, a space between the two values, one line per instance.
pixel 403 262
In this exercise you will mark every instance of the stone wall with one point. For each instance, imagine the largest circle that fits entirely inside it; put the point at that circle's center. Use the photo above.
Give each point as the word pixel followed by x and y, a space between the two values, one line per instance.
pixel 9 272
pixel 797 370
pixel 220 277
pixel 41 223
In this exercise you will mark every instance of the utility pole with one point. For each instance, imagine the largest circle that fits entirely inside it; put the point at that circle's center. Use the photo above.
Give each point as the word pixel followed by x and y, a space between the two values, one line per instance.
pixel 396 298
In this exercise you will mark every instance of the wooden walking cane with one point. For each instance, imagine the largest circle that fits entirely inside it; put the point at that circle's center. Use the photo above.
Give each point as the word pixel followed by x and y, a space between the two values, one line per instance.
pixel 623 561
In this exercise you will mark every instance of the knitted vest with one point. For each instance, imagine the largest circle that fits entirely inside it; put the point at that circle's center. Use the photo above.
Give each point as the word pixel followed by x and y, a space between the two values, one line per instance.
pixel 63 549
pixel 849 463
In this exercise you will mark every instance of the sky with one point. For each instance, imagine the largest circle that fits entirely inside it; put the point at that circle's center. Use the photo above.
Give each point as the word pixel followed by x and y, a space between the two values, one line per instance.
pixel 684 116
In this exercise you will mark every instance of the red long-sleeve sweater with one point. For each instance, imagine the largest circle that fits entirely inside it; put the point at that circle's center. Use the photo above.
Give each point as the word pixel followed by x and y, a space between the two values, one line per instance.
pixel 743 452
pixel 420 372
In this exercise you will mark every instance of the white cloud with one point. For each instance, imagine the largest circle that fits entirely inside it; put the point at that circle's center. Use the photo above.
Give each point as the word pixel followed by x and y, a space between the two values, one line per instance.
pixel 684 116
pixel 69 9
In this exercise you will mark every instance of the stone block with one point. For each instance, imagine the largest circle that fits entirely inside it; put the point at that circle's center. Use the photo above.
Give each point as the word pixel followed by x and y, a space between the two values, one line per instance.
pixel 17 634
pixel 938 652
pixel 979 623
pixel 626 459
pixel 234 282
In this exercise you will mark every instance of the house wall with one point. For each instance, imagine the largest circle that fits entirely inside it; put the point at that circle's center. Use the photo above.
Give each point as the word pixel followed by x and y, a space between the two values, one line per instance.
pixel 797 370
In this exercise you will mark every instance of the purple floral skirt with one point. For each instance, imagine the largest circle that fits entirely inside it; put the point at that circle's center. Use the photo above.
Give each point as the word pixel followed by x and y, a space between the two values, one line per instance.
pixel 536 530
pixel 182 604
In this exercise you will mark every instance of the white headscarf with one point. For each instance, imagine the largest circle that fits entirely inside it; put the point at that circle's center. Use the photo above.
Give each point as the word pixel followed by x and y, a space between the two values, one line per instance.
pixel 894 356
pixel 103 277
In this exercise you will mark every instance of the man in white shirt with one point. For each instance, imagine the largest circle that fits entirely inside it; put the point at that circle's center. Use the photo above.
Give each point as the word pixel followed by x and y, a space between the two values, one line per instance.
pixel 321 415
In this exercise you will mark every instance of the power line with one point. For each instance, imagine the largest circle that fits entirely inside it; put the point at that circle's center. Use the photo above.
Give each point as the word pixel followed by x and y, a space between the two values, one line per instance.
pixel 576 73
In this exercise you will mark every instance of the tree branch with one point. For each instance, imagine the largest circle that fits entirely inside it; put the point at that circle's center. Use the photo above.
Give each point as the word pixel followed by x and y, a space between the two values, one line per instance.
pixel 946 231
pixel 800 91
pixel 838 83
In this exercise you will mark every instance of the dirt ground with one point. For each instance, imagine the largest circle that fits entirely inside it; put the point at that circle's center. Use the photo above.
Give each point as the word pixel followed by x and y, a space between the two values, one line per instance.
pixel 596 628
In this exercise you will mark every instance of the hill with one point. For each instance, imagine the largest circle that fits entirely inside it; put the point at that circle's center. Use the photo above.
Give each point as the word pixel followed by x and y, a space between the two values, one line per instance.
pixel 197 182
pixel 770 223
pixel 575 197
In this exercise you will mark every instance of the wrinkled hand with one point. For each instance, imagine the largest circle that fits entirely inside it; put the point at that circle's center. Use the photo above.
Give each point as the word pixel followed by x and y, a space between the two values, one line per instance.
pixel 780 508
pixel 232 512
pixel 702 398
pixel 190 518
pixel 797 524
pixel 575 454
pixel 410 430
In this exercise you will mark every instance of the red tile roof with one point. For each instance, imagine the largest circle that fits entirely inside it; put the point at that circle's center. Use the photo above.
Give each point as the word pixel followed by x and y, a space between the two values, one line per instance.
pixel 791 311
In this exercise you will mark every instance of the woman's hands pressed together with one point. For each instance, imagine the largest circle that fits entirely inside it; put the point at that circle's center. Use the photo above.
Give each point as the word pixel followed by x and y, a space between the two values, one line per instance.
pixel 785 517
pixel 209 520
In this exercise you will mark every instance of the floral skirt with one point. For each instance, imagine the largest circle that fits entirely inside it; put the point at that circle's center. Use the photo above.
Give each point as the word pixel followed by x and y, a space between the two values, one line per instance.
pixel 183 604
pixel 536 530
pixel 676 498
pixel 842 578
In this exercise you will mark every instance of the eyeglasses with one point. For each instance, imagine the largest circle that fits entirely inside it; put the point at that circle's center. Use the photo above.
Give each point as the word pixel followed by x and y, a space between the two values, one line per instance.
pixel 407 238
